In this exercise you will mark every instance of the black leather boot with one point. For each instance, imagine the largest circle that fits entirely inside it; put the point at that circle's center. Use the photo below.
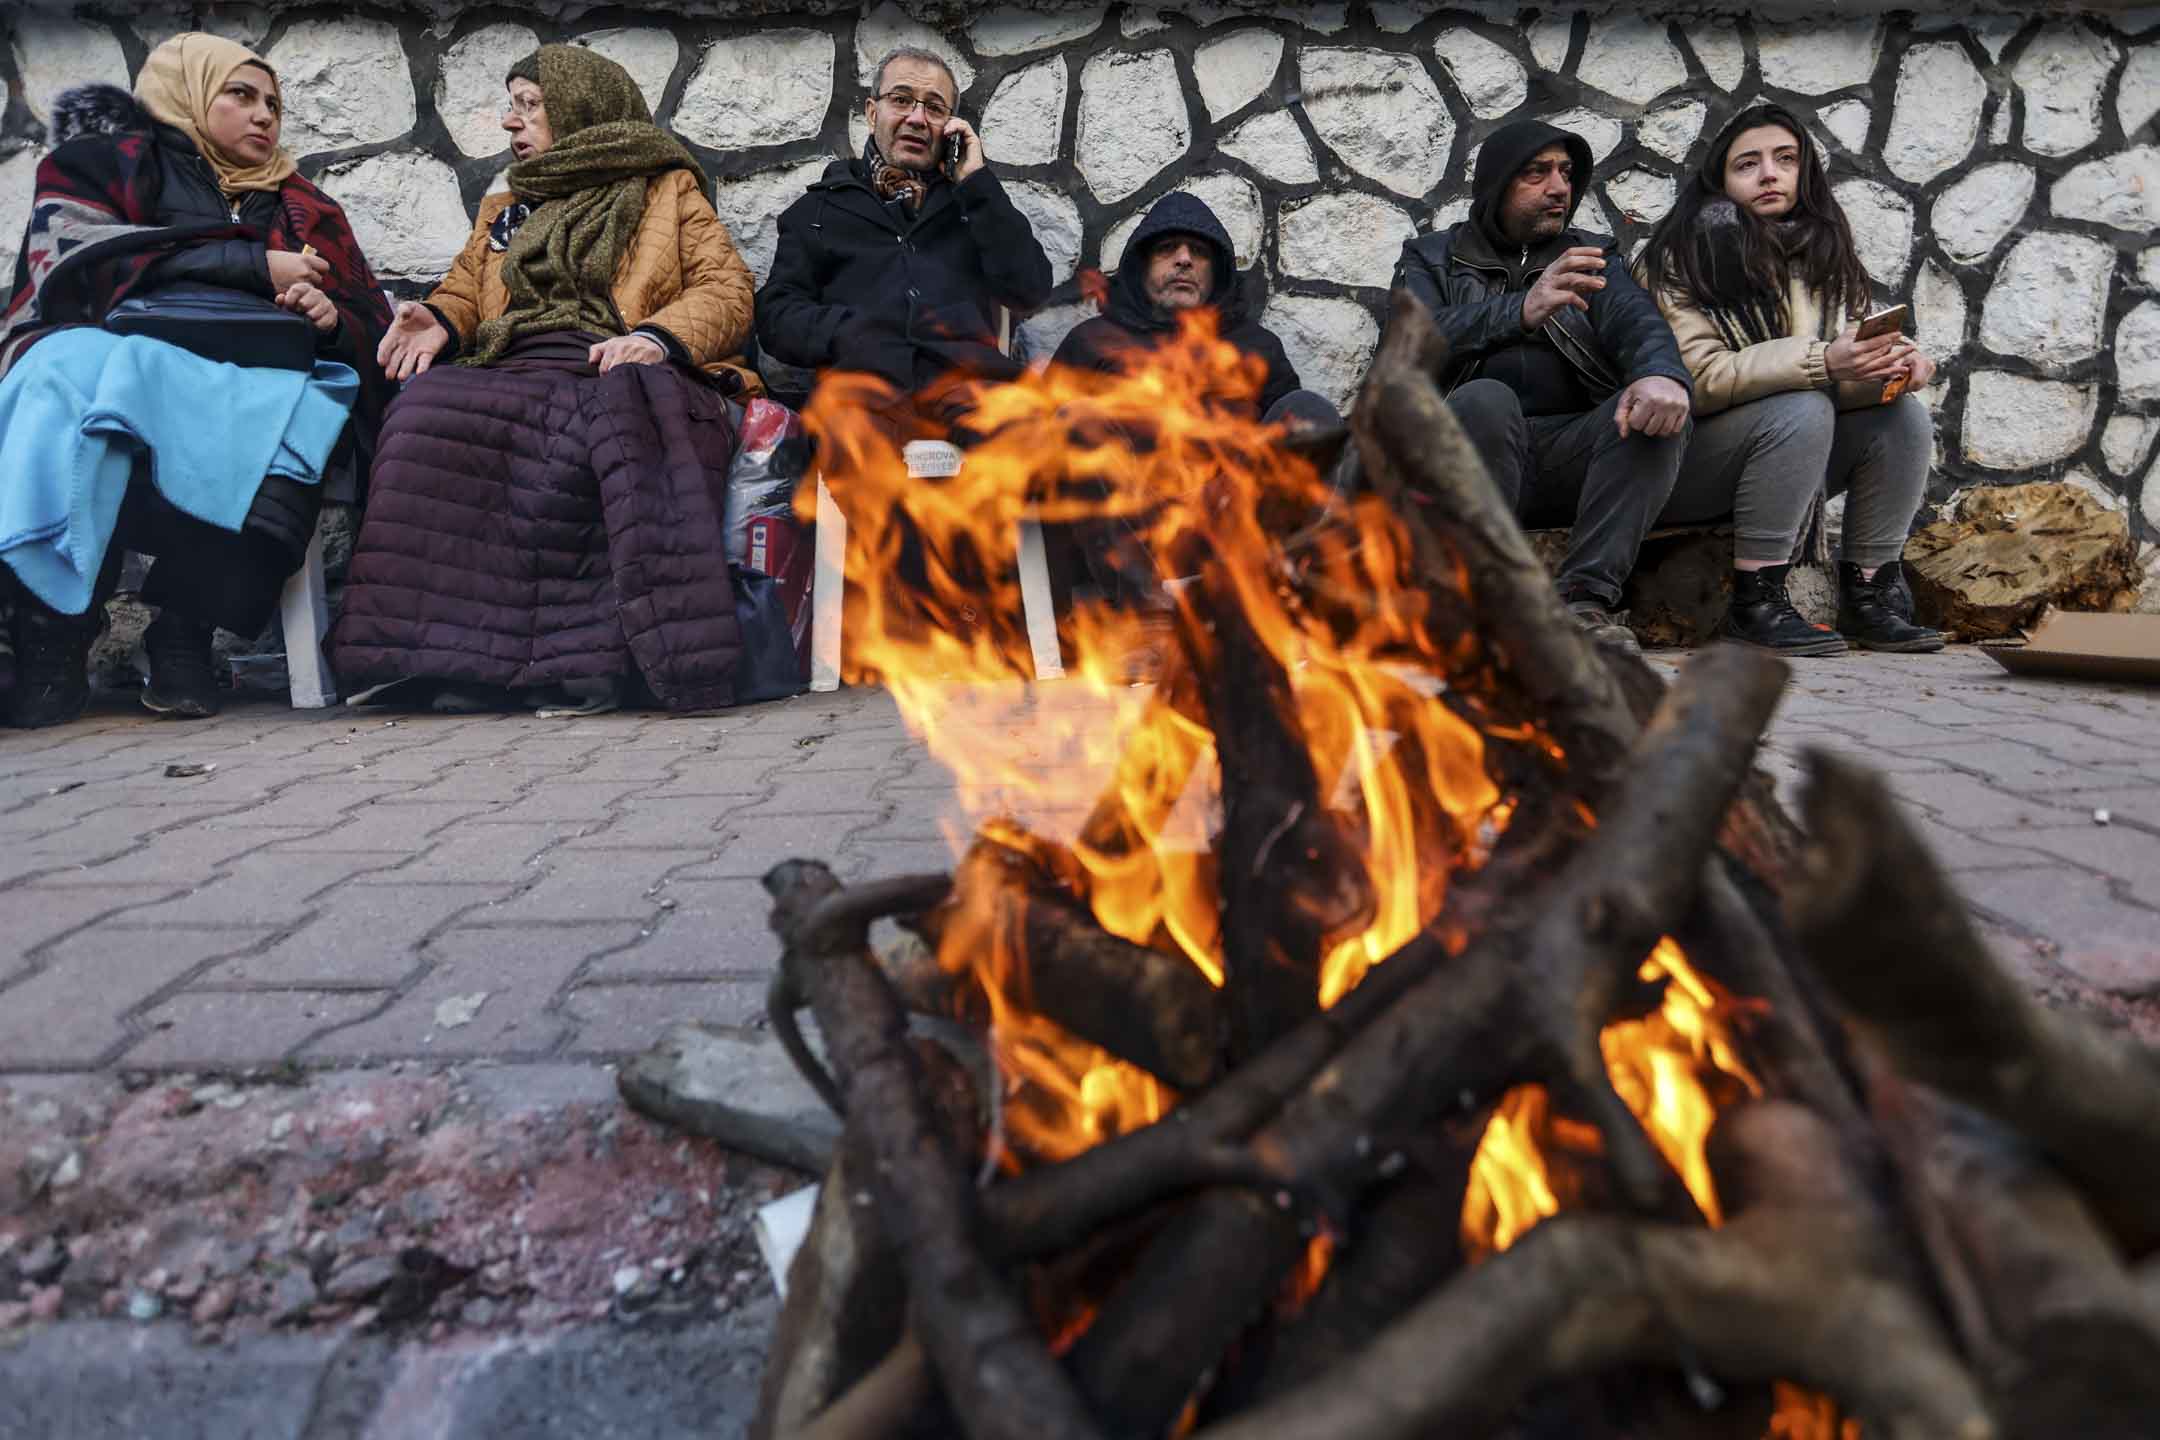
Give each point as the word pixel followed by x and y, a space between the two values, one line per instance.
pixel 183 683
pixel 52 663
pixel 1869 615
pixel 1762 614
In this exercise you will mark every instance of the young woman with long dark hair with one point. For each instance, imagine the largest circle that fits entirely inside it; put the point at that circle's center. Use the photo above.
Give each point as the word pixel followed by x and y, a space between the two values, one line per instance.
pixel 1756 271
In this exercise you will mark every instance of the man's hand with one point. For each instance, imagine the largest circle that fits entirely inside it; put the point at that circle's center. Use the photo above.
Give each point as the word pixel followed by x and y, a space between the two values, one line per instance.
pixel 1568 283
pixel 289 267
pixel 414 339
pixel 971 154
pixel 305 300
pixel 1851 358
pixel 626 350
pixel 1653 405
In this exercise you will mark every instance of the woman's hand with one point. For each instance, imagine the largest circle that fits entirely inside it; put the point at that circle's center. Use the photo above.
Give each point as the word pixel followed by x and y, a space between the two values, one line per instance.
pixel 1919 370
pixel 626 350
pixel 305 300
pixel 1851 358
pixel 413 341
pixel 289 268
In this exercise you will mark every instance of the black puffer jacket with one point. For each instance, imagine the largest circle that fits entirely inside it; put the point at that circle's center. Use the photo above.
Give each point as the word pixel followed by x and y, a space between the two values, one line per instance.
pixel 856 284
pixel 1474 286
pixel 1130 324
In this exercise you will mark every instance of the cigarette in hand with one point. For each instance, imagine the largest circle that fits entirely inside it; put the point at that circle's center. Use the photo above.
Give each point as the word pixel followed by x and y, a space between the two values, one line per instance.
pixel 306 251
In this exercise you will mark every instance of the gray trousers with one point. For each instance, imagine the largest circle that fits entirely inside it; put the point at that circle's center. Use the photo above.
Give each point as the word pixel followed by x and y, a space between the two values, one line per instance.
pixel 1762 463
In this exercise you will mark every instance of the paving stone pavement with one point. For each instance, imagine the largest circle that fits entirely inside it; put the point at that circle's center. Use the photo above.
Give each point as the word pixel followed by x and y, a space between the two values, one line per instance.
pixel 338 879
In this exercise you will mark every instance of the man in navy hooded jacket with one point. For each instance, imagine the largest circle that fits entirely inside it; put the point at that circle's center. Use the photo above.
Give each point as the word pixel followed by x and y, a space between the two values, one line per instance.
pixel 1561 370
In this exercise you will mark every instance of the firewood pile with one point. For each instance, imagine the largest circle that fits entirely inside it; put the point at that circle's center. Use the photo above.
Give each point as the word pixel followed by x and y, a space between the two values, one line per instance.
pixel 1659 1117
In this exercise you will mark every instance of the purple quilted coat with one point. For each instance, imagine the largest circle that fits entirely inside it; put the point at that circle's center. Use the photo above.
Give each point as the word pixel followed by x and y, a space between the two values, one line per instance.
pixel 532 523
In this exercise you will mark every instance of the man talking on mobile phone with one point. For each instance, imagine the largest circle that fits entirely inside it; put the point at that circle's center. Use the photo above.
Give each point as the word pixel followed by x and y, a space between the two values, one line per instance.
pixel 895 263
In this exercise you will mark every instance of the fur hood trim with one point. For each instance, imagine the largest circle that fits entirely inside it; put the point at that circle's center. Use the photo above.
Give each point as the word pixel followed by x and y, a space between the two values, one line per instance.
pixel 96 110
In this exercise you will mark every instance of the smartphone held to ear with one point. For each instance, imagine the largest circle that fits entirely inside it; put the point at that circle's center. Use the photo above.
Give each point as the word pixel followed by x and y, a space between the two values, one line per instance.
pixel 954 150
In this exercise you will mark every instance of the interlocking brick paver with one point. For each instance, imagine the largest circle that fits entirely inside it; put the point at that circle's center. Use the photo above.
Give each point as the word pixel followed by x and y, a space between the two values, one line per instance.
pixel 192 855
pixel 398 829
pixel 466 853
pixel 365 935
pixel 35 915
pixel 226 1028
pixel 750 848
pixel 557 800
pixel 615 1020
pixel 662 823
pixel 2097 937
pixel 518 971
pixel 45 1023
pixel 2128 854
pixel 583 885
pixel 712 926
pixel 262 888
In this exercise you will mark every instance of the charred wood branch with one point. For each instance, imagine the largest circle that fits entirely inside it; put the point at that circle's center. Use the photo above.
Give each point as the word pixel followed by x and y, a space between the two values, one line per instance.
pixel 995 1372
pixel 1289 877
pixel 879 1405
pixel 1801 1285
pixel 1417 458
pixel 1892 940
pixel 2063 1309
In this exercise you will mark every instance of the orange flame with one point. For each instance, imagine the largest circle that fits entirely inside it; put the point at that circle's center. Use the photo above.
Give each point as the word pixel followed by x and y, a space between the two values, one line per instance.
pixel 1171 450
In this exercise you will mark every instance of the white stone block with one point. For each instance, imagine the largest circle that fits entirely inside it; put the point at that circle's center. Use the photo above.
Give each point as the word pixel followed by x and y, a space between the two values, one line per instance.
pixel 346 82
pixel 1398 17
pixel 1601 132
pixel 767 87
pixel 1550 36
pixel 2137 94
pixel 1011 30
pixel 1673 129
pixel 2047 300
pixel 1046 329
pixel 1132 121
pixel 2063 73
pixel 1994 32
pixel 1848 122
pixel 1456 211
pixel 1643 196
pixel 1235 69
pixel 1235 203
pixel 1330 341
pixel 405 210
pixel 1999 127
pixel 1141 20
pixel 249 25
pixel 1630 57
pixel 471 92
pixel 1024 124
pixel 53 54
pixel 750 208
pixel 1816 59
pixel 1491 79
pixel 2148 267
pixel 2125 441
pixel 1348 238
pixel 649 55
pixel 1882 225
pixel 1324 18
pixel 1381 114
pixel 1972 215
pixel 2013 422
pixel 1718 48
pixel 1271 143
pixel 1937 119
pixel 2119 190
pixel 18 172
pixel 2137 354
pixel 1056 221
pixel 1938 313
pixel 888 26
pixel 1591 216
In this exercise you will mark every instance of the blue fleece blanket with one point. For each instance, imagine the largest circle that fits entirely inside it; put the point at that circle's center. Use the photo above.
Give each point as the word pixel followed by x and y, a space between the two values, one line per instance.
pixel 81 404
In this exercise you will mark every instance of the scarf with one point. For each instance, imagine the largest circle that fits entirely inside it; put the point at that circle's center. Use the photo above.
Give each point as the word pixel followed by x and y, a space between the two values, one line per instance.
pixel 895 182
pixel 177 84
pixel 587 193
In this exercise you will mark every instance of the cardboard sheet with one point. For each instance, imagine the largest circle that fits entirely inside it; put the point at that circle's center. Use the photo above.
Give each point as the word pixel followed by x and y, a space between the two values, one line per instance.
pixel 2087 647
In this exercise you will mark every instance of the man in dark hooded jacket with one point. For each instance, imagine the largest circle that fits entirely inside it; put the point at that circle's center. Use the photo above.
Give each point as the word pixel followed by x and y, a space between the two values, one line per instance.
pixel 1178 260
pixel 1561 369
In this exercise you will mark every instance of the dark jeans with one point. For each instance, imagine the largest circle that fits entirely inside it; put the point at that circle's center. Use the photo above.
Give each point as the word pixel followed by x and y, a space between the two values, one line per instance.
pixel 1577 471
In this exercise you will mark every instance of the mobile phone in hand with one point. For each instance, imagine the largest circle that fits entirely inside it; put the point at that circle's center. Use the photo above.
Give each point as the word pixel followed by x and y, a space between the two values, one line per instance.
pixel 955 151
pixel 1884 322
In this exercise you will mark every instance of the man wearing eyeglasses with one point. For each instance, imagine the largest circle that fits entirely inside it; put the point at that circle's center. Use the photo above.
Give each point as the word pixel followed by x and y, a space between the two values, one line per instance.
pixel 894 263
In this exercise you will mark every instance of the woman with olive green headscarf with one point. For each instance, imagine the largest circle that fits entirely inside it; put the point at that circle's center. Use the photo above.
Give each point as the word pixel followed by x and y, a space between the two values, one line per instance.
pixel 544 524
pixel 181 183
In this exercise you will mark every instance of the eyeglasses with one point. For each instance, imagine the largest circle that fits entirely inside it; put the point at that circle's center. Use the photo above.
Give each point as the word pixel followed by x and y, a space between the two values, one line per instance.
pixel 901 102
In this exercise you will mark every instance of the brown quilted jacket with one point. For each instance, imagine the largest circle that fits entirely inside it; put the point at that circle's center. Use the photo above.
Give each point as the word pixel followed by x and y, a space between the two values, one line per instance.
pixel 682 274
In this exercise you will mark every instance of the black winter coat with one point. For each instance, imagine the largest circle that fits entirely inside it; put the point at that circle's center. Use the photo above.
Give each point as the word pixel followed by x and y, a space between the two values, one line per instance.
pixel 1130 324
pixel 854 285
pixel 1475 292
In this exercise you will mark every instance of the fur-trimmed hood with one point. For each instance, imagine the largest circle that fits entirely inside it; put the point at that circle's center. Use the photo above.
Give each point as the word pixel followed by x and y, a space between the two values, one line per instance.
pixel 96 110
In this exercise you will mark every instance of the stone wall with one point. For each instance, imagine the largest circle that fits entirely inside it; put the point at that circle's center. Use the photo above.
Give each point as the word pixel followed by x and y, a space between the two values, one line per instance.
pixel 2003 174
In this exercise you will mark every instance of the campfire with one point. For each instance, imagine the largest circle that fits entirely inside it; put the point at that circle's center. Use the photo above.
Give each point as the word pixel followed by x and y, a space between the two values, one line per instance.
pixel 1426 1022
